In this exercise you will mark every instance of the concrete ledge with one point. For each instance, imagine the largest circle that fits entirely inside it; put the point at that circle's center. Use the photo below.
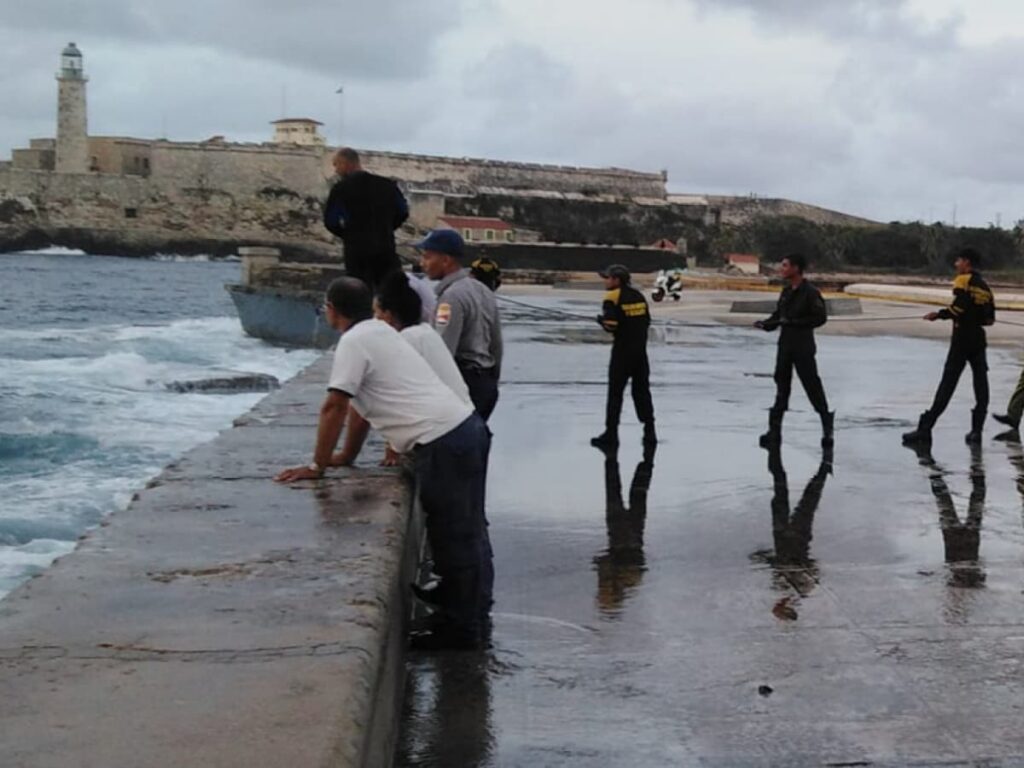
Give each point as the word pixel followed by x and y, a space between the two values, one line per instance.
pixel 221 620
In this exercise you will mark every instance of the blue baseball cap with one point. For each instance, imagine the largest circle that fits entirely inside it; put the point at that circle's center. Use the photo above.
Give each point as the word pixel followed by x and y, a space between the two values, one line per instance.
pixel 446 241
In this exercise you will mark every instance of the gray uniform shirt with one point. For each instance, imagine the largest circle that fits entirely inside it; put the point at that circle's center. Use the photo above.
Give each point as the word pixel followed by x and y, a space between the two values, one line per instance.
pixel 467 319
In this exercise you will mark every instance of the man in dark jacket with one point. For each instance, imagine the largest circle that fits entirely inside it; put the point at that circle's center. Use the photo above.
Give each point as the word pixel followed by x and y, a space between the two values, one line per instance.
pixel 364 210
pixel 625 314
pixel 972 309
pixel 800 310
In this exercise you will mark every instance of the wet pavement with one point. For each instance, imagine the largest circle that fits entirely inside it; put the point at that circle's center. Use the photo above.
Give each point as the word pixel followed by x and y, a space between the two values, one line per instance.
pixel 715 604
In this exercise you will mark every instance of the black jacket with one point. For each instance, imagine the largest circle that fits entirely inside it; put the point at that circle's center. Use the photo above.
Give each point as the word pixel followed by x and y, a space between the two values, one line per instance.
pixel 799 311
pixel 973 305
pixel 625 314
pixel 364 210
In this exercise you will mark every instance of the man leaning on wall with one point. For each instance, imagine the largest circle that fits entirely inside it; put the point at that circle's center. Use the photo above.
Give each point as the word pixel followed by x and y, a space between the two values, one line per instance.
pixel 387 384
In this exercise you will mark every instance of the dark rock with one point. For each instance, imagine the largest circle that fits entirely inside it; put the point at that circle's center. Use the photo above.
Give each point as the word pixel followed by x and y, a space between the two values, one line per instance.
pixel 227 385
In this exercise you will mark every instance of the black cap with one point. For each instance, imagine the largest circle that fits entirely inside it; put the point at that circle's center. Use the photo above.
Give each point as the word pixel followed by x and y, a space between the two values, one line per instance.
pixel 615 270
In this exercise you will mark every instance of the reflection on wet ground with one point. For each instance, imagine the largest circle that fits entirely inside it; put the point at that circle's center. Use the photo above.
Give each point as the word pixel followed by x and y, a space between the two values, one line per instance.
pixel 738 607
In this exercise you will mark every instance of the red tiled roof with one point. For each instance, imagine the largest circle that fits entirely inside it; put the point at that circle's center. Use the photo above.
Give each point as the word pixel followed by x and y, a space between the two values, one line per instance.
pixel 474 222
pixel 743 258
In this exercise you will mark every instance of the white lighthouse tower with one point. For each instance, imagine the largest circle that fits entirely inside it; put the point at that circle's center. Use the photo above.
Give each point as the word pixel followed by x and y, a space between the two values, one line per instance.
pixel 72 130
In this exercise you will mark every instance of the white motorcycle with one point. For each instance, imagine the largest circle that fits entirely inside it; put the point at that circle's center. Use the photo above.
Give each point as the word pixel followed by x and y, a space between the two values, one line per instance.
pixel 668 283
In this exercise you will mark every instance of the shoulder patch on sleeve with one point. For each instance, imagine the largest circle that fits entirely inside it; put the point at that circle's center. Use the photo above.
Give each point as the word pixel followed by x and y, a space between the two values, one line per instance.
pixel 444 314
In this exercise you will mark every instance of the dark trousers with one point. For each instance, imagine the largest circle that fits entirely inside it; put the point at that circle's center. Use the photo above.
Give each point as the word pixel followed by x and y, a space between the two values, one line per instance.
pixel 451 473
pixel 961 354
pixel 483 388
pixel 628 366
pixel 800 356
pixel 372 269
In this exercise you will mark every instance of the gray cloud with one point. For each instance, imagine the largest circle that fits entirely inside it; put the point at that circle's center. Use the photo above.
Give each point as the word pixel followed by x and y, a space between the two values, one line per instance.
pixel 881 20
pixel 379 39
pixel 856 105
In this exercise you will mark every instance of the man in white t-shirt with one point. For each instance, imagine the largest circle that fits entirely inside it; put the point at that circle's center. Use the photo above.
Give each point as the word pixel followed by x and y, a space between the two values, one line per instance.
pixel 392 388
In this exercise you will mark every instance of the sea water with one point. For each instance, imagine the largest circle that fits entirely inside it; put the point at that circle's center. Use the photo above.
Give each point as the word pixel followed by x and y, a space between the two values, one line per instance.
pixel 87 347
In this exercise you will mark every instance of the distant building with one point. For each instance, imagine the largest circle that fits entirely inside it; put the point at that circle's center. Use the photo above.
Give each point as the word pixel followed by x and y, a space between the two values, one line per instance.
pixel 303 131
pixel 479 229
pixel 748 263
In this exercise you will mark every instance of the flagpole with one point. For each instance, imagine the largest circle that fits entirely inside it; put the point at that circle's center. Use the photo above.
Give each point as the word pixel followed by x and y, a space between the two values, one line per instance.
pixel 341 114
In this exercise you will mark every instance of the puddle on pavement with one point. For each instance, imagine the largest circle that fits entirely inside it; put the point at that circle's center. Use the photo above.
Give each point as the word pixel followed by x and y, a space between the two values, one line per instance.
pixel 643 601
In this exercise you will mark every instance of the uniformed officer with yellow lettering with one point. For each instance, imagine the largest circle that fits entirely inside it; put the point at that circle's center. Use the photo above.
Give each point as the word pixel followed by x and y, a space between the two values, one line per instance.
pixel 625 315
pixel 485 269
pixel 972 309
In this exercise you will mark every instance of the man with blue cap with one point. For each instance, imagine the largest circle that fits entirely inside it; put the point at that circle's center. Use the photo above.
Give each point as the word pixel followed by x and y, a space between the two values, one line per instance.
pixel 466 317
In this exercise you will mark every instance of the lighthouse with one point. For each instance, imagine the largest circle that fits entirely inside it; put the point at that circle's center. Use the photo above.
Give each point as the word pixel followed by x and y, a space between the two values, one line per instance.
pixel 72 131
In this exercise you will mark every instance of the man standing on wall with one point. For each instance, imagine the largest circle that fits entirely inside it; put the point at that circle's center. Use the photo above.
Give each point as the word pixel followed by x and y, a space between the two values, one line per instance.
pixel 972 309
pixel 467 317
pixel 625 314
pixel 364 210
pixel 800 310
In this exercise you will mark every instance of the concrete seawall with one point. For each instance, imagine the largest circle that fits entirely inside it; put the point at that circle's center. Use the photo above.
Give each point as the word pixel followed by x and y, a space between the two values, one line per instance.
pixel 221 620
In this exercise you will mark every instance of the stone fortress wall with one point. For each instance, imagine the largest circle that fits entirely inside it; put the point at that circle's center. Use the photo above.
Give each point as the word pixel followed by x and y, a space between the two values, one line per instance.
pixel 215 194
pixel 118 194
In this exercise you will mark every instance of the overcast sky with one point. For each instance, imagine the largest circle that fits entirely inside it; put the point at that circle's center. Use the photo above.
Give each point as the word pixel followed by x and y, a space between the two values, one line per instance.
pixel 892 109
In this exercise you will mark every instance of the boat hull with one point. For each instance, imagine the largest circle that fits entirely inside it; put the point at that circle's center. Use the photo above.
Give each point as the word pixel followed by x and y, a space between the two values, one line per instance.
pixel 282 317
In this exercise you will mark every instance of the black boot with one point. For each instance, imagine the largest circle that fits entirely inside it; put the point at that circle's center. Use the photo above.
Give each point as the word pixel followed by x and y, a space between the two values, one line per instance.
pixel 650 436
pixel 457 624
pixel 923 434
pixel 606 440
pixel 774 434
pixel 1005 419
pixel 977 425
pixel 828 423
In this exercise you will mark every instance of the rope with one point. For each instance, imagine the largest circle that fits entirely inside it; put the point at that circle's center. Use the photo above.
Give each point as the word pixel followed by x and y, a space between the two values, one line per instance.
pixel 684 323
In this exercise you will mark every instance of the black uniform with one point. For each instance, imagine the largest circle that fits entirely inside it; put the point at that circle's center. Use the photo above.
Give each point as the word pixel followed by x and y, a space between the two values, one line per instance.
pixel 486 270
pixel 364 210
pixel 972 309
pixel 626 315
pixel 800 310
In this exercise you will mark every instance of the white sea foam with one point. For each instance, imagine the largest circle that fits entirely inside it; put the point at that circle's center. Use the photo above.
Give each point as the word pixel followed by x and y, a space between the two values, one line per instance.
pixel 180 258
pixel 54 250
pixel 88 425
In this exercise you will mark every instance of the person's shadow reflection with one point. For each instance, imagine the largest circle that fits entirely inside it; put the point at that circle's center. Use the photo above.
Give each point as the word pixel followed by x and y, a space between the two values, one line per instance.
pixel 961 539
pixel 792 528
pixel 621 566
pixel 447 714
